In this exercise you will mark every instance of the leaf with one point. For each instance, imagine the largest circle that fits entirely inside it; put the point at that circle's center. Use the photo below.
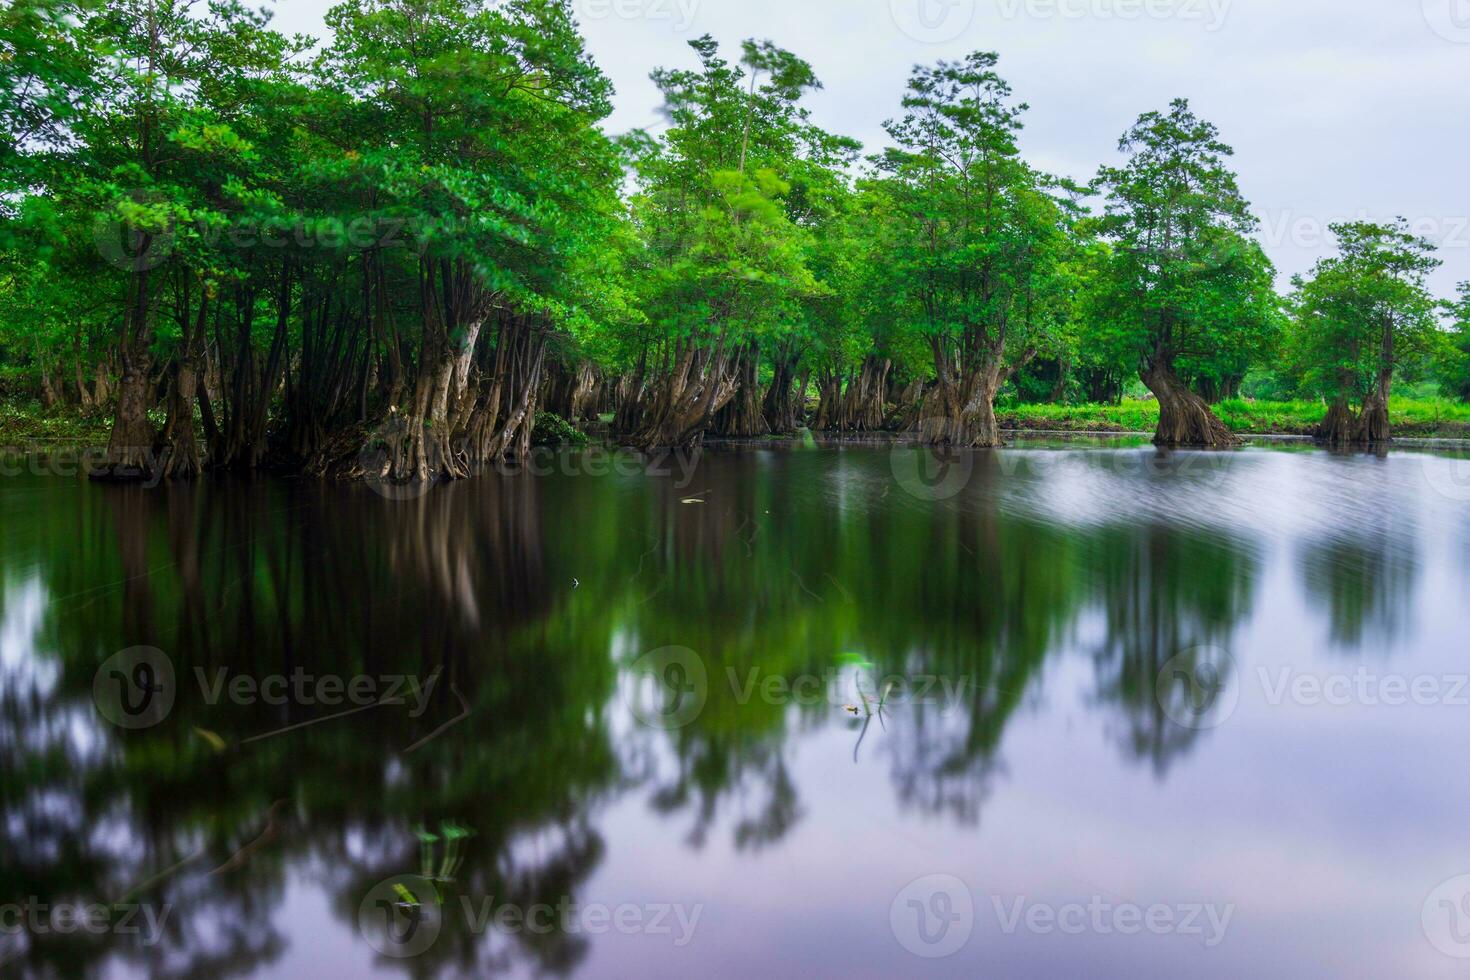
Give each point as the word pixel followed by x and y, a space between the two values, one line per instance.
pixel 215 742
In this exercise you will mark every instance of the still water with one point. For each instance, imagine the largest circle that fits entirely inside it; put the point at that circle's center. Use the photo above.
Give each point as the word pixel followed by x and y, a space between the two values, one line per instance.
pixel 1060 711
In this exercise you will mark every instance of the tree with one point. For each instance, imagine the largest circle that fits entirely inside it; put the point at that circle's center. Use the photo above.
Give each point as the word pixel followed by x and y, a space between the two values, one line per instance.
pixel 826 324
pixel 977 241
pixel 484 151
pixel 373 248
pixel 726 261
pixel 1454 360
pixel 47 63
pixel 1099 348
pixel 1359 317
pixel 1186 289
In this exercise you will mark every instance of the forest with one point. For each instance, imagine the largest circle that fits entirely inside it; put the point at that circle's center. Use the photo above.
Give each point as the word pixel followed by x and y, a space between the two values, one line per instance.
pixel 399 248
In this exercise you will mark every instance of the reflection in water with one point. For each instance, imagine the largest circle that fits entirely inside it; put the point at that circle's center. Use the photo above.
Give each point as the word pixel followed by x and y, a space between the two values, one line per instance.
pixel 517 605
pixel 1165 594
pixel 1365 583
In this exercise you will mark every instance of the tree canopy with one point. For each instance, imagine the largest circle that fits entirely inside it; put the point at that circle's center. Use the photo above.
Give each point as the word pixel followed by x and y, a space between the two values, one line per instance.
pixel 387 256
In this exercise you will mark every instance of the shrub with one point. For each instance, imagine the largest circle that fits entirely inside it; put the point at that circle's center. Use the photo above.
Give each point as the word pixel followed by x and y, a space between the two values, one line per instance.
pixel 553 430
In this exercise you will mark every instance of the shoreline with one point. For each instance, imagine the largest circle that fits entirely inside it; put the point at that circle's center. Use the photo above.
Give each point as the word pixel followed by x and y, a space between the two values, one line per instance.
pixel 30 434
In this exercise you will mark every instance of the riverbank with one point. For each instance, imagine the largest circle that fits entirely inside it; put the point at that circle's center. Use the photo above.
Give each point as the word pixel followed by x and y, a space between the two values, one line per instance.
pixel 1411 418
pixel 26 425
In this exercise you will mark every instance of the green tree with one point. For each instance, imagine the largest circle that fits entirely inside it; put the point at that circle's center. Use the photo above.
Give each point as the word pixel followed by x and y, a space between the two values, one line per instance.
pixel 483 149
pixel 977 241
pixel 726 261
pixel 1360 316
pixel 1453 367
pixel 1187 294
pixel 155 159
pixel 47 65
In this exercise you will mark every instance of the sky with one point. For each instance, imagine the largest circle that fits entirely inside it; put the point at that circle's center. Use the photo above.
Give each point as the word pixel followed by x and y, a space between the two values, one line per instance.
pixel 1337 109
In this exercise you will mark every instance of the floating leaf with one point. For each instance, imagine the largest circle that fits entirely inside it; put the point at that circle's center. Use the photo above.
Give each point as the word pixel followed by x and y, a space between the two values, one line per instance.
pixel 215 742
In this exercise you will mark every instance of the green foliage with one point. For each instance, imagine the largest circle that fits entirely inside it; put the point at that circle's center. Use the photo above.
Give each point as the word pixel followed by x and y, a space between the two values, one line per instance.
pixel 23 423
pixel 1453 349
pixel 718 199
pixel 1184 288
pixel 975 242
pixel 553 430
pixel 1366 313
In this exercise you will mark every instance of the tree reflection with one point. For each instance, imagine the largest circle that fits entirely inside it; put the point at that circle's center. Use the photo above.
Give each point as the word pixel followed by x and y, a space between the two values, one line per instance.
pixel 262 579
pixel 528 598
pixel 1164 593
pixel 1364 582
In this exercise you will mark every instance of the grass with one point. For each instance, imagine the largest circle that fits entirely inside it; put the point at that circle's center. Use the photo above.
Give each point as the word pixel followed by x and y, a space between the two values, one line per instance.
pixel 1421 417
pixel 30 424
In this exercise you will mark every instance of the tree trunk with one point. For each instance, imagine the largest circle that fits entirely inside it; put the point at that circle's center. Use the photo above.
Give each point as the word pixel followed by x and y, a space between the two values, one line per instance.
pixel 585 390
pixel 178 458
pixel 571 393
pixel 48 391
pixel 959 413
pixel 742 417
pixel 1102 386
pixel 1184 418
pixel 84 395
pixel 418 444
pixel 102 386
pixel 1059 389
pixel 907 408
pixel 630 397
pixel 1340 426
pixel 130 447
pixel 779 406
pixel 682 405
pixel 464 361
pixel 1373 425
pixel 861 409
pixel 829 402
pixel 504 414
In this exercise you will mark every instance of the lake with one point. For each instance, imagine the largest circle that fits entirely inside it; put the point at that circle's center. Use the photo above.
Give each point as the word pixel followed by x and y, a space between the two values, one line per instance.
pixel 1065 709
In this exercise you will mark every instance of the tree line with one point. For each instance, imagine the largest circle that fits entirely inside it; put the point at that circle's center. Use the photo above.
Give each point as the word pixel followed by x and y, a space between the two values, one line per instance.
pixel 391 251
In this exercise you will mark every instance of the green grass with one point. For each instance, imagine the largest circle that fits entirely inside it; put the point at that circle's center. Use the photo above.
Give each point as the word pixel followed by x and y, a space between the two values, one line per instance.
pixel 1410 417
pixel 30 424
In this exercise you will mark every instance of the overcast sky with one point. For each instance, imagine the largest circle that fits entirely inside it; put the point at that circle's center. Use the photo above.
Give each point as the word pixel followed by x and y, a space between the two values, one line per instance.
pixel 1337 109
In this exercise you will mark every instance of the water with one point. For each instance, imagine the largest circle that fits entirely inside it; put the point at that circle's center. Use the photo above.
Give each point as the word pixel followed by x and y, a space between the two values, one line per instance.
pixel 809 711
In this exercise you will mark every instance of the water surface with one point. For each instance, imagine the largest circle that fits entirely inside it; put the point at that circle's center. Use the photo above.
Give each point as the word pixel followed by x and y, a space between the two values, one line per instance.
pixel 756 702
